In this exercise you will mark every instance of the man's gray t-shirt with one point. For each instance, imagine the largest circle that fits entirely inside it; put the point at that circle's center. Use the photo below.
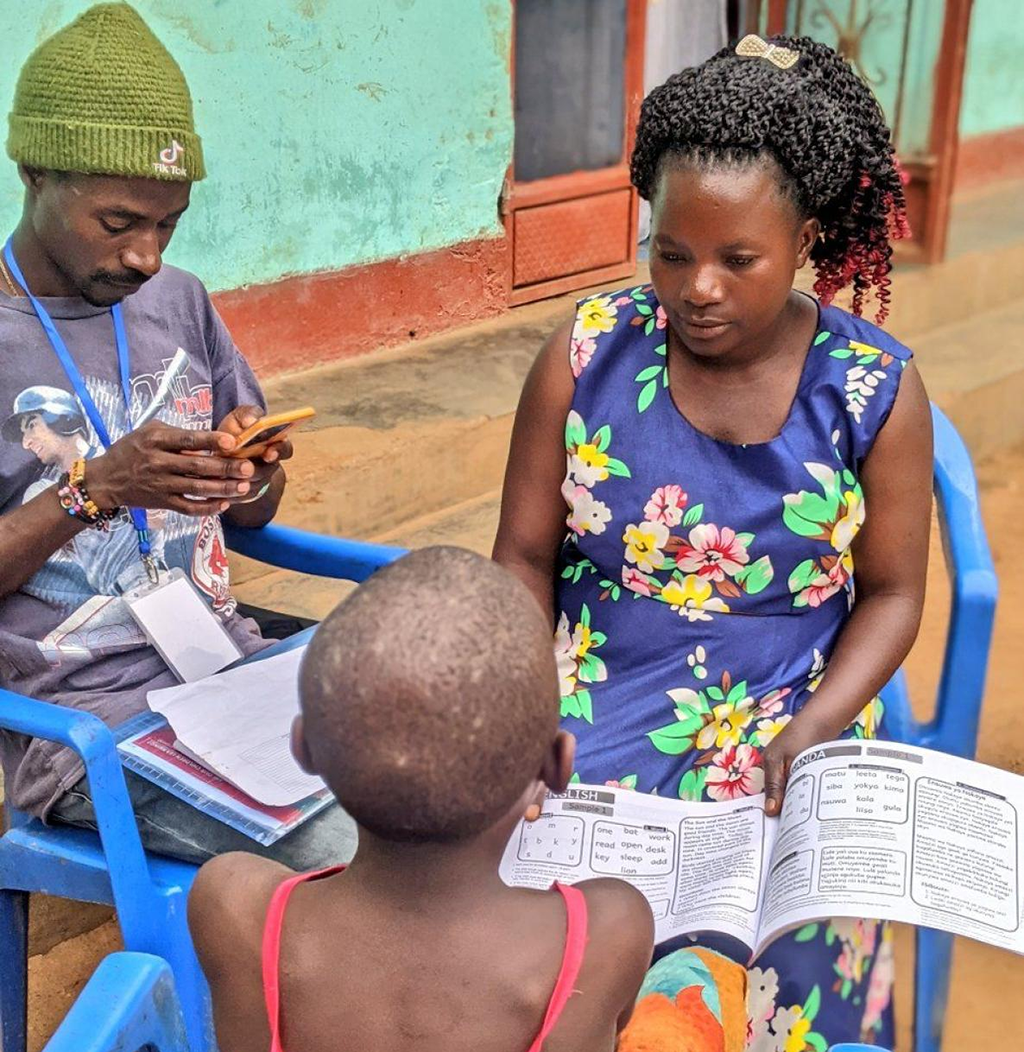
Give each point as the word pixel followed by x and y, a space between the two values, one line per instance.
pixel 66 635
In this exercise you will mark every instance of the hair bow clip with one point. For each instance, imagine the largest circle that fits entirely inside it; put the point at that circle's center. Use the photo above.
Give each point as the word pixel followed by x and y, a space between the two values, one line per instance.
pixel 752 46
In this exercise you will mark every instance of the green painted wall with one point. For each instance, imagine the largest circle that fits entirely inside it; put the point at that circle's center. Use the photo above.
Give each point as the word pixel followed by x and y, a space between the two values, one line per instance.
pixel 335 132
pixel 993 96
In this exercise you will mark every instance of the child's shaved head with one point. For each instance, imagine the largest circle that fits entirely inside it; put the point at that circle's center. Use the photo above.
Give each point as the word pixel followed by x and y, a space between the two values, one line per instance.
pixel 430 696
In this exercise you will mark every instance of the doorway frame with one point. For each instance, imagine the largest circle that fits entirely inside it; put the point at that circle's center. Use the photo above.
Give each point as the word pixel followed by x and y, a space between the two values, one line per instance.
pixel 930 189
pixel 575 185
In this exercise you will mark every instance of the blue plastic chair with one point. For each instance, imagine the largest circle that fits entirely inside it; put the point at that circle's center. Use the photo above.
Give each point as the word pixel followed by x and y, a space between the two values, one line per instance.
pixel 129 1005
pixel 149 892
pixel 832 1048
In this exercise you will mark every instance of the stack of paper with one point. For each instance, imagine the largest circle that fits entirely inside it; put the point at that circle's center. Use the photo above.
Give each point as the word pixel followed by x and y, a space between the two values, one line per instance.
pixel 238 724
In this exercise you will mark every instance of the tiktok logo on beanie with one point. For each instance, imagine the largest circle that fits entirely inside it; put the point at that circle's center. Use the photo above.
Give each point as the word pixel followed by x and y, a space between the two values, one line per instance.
pixel 168 163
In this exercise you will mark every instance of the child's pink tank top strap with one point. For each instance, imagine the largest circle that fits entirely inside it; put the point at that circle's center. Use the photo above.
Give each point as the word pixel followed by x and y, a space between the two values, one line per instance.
pixel 572 960
pixel 272 948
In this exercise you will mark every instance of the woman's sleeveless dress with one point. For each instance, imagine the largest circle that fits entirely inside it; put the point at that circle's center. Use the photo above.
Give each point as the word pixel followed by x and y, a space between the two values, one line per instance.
pixel 702 588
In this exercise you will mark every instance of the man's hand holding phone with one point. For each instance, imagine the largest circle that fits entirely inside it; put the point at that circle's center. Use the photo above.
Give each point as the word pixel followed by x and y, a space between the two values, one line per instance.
pixel 261 440
pixel 267 434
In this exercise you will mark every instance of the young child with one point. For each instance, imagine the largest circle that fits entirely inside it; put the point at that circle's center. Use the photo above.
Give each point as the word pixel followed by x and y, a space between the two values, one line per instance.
pixel 430 707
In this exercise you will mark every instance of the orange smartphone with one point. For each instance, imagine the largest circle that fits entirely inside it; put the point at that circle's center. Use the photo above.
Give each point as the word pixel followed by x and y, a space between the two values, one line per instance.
pixel 268 431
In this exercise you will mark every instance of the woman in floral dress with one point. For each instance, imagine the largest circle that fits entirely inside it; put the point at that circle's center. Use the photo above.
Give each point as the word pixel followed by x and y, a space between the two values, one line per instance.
pixel 698 463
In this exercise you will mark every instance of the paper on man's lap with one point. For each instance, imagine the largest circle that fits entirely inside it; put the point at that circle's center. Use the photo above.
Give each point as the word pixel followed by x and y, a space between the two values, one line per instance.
pixel 238 724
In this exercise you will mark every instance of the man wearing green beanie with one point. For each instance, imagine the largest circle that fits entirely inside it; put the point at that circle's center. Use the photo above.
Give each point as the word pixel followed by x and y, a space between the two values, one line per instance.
pixel 118 373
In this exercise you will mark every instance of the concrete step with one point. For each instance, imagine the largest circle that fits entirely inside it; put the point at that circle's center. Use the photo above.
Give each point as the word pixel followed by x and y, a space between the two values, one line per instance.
pixel 470 524
pixel 410 431
pixel 974 371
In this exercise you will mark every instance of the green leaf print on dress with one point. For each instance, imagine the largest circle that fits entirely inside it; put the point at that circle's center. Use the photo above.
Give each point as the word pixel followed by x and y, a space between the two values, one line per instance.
pixel 728 728
pixel 833 516
pixel 578 665
pixel 653 321
pixel 858 942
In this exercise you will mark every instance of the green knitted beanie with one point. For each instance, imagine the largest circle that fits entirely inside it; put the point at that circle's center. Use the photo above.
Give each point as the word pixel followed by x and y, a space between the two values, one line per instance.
pixel 103 95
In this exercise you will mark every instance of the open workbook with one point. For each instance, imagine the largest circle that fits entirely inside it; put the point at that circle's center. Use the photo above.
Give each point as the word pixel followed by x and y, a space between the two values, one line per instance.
pixel 868 829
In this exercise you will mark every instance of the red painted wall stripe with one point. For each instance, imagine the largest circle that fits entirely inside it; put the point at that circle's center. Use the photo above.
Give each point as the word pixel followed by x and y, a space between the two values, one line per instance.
pixel 302 321
pixel 991 158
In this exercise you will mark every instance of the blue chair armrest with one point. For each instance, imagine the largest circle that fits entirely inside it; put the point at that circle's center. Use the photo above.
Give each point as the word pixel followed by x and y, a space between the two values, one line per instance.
pixel 92 740
pixel 129 1003
pixel 311 553
pixel 954 728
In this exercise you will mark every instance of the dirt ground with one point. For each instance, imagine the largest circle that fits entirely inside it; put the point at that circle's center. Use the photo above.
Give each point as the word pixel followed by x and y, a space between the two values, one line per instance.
pixel 984 1009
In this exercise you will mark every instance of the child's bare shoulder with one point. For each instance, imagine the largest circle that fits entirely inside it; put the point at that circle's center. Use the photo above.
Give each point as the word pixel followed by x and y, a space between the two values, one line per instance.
pixel 229 900
pixel 619 919
pixel 620 942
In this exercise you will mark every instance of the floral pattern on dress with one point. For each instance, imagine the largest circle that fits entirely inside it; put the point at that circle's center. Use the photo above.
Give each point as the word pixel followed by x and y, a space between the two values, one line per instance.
pixel 578 665
pixel 728 728
pixel 865 952
pixel 586 464
pixel 792 1027
pixel 861 380
pixel 594 316
pixel 772 1027
pixel 835 516
pixel 695 571
pixel 750 549
pixel 650 320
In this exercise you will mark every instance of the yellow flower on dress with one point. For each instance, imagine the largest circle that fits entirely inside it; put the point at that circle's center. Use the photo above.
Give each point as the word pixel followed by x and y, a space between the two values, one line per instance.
pixel 848 526
pixel 581 640
pixel 768 729
pixel 565 657
pixel 691 597
pixel 644 543
pixel 796 1039
pixel 595 463
pixel 868 717
pixel 597 315
pixel 863 348
pixel 727 724
pixel 791 1029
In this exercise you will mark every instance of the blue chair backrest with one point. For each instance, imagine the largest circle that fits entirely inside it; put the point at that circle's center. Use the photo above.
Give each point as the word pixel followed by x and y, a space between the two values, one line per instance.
pixel 953 727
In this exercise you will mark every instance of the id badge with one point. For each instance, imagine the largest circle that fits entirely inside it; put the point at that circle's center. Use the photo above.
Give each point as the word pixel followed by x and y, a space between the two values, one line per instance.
pixel 183 630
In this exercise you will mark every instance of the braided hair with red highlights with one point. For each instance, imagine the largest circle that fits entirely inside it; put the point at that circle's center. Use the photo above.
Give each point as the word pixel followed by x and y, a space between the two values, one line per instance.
pixel 823 128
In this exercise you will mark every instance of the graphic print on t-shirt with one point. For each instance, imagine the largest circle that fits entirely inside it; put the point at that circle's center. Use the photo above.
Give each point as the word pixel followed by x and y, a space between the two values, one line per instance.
pixel 88 575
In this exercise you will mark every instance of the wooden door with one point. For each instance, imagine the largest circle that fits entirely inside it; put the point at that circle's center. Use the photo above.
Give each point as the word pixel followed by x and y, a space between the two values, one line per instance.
pixel 570 212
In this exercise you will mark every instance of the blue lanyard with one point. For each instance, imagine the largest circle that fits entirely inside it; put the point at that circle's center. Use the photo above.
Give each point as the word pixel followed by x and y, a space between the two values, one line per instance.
pixel 140 520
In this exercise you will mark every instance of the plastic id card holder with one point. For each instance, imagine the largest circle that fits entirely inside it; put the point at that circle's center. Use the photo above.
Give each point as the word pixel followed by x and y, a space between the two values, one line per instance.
pixel 183 630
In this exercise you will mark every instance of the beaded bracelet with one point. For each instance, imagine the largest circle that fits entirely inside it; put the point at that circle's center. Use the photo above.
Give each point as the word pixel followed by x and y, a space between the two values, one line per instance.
pixel 75 500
